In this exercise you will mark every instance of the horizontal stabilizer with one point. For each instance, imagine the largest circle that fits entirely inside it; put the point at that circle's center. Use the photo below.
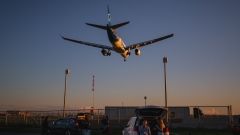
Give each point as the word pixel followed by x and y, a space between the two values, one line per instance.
pixel 97 26
pixel 119 25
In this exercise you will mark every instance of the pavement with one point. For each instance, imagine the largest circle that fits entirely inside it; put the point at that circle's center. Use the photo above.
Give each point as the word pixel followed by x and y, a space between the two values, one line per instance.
pixel 7 133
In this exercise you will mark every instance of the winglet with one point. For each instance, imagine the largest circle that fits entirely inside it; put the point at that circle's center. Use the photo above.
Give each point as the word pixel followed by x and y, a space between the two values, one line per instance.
pixel 61 36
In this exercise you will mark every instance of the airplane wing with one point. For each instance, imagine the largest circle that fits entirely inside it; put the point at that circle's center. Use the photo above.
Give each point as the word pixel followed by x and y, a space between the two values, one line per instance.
pixel 133 46
pixel 89 44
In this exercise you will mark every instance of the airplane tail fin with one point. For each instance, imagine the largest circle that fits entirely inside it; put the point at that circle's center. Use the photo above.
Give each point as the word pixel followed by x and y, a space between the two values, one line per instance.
pixel 109 16
pixel 109 23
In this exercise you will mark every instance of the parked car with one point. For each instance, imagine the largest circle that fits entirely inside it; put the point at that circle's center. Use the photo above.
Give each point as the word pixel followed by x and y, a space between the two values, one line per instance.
pixel 149 113
pixel 69 126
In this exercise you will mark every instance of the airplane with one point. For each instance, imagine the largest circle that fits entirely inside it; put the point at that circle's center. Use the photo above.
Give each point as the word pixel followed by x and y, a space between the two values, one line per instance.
pixel 117 43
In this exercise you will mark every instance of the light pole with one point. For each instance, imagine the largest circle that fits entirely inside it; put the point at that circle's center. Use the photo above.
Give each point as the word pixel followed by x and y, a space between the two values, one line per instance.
pixel 165 60
pixel 145 97
pixel 67 71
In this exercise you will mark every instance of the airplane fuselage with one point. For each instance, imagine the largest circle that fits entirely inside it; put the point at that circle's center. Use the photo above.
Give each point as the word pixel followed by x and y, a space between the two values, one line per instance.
pixel 117 43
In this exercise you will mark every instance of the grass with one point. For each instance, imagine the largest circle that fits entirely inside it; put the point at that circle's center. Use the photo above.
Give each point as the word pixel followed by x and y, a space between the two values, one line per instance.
pixel 20 128
pixel 200 131
pixel 181 131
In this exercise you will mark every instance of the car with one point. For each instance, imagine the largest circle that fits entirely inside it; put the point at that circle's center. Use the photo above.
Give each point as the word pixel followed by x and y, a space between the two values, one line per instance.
pixel 149 113
pixel 69 126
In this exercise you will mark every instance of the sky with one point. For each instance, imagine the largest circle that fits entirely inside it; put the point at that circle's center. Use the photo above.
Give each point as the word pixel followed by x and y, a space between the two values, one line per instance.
pixel 202 70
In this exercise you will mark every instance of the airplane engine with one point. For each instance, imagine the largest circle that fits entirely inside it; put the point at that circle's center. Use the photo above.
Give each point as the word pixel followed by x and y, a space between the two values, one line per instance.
pixel 137 52
pixel 104 52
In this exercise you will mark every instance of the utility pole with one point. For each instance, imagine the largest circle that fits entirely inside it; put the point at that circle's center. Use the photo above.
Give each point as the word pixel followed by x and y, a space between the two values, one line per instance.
pixel 165 60
pixel 93 93
pixel 67 71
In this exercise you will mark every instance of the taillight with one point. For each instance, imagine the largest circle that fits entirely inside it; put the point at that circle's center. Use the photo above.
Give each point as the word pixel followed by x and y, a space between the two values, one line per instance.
pixel 166 131
pixel 76 124
pixel 135 128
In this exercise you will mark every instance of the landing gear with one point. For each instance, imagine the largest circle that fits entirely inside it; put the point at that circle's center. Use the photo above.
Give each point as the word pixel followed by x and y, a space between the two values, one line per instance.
pixel 124 59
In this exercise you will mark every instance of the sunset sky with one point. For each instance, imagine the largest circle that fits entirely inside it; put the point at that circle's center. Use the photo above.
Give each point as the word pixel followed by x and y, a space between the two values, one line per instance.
pixel 204 54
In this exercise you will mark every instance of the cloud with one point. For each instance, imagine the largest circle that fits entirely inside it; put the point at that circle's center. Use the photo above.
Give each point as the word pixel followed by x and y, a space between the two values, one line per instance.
pixel 212 111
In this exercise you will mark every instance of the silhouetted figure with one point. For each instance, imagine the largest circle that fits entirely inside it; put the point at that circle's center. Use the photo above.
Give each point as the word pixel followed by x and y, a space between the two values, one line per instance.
pixel 88 122
pixel 106 127
pixel 105 122
pixel 45 126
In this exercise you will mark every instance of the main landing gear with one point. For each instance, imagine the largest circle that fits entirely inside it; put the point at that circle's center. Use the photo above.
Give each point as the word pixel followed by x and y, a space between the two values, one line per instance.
pixel 124 59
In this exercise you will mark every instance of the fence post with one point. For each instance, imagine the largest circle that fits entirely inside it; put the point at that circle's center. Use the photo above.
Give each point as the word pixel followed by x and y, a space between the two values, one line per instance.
pixel 228 107
pixel 98 118
pixel 6 119
pixel 26 119
pixel 198 117
pixel 41 118
pixel 231 113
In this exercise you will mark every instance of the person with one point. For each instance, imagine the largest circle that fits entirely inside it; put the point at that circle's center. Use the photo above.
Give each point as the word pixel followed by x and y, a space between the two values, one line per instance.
pixel 160 126
pixel 105 122
pixel 144 129
pixel 45 126
pixel 86 118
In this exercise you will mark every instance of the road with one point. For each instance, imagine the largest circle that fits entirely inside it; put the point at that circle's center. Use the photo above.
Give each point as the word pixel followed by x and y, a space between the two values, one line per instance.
pixel 4 133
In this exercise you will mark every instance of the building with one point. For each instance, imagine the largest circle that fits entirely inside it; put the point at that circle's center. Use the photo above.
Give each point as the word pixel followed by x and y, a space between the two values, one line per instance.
pixel 126 112
pixel 18 112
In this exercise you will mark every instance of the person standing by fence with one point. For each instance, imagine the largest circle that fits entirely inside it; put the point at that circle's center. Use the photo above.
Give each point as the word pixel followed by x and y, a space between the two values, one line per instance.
pixel 105 122
pixel 106 127
pixel 45 126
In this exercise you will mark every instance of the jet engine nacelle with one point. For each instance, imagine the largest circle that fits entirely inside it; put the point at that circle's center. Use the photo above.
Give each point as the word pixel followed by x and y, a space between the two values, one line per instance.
pixel 137 52
pixel 104 52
